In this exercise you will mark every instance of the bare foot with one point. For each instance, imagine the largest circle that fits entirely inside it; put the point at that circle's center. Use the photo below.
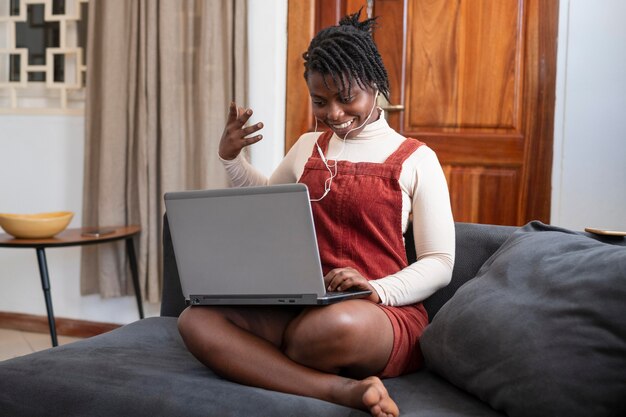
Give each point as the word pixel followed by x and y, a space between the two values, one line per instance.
pixel 376 398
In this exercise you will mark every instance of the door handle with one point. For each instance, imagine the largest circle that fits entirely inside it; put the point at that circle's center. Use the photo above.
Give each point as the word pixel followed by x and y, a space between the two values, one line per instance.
pixel 393 107
pixel 387 106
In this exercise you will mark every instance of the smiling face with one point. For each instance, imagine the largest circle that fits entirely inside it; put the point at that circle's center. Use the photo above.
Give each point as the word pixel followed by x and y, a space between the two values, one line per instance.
pixel 338 109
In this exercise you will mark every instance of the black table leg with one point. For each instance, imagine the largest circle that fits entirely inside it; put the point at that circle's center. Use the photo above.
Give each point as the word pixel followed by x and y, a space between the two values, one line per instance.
pixel 130 248
pixel 45 284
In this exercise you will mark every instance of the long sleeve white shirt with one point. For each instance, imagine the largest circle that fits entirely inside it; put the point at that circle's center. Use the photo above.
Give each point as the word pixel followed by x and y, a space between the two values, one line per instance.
pixel 424 194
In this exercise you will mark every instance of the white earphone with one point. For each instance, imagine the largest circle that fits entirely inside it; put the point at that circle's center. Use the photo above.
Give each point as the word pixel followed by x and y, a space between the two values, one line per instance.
pixel 332 168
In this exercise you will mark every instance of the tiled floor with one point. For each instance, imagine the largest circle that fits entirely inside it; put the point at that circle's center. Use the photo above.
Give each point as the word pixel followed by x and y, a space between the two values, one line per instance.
pixel 15 343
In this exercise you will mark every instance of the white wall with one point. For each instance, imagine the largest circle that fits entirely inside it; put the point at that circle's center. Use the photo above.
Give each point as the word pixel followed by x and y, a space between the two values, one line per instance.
pixel 267 57
pixel 589 170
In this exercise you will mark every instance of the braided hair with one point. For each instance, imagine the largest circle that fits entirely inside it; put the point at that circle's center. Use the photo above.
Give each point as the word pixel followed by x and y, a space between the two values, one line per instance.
pixel 347 53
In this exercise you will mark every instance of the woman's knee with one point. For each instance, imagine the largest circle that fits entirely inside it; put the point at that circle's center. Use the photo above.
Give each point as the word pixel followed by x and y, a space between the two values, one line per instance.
pixel 321 335
pixel 196 321
pixel 352 336
pixel 185 321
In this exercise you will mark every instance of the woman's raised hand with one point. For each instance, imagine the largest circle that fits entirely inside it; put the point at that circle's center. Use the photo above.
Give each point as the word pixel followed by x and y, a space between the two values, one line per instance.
pixel 235 136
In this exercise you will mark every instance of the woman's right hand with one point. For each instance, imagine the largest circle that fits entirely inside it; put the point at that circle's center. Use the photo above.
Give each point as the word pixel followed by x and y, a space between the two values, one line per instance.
pixel 235 136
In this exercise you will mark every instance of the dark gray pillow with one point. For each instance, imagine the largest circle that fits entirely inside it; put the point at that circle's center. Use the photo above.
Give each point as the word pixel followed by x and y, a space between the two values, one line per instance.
pixel 541 330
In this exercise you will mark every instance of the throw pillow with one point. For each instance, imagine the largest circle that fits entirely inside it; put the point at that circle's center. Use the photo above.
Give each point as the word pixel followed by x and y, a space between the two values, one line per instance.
pixel 541 330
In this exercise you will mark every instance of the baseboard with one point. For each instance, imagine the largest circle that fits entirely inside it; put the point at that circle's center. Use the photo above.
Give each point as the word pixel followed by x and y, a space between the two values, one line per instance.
pixel 64 327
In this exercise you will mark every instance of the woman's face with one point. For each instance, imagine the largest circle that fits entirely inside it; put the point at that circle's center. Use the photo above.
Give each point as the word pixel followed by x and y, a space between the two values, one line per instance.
pixel 339 110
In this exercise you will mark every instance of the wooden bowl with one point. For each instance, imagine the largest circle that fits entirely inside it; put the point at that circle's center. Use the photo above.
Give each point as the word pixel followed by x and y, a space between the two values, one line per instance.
pixel 35 226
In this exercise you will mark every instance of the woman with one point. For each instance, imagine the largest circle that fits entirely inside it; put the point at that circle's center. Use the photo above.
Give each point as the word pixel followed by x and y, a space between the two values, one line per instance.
pixel 364 180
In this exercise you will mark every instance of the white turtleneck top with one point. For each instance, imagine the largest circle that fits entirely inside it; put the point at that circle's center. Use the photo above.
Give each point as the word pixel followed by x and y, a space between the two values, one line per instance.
pixel 424 194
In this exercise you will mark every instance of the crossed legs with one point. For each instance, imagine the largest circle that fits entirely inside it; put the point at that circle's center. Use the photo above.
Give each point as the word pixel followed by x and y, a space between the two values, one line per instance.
pixel 313 352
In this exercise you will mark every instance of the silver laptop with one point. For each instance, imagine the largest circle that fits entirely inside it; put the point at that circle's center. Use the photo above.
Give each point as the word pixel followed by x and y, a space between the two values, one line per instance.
pixel 248 246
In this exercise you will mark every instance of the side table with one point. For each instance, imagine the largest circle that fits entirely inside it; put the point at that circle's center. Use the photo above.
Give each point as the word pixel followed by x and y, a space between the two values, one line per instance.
pixel 77 237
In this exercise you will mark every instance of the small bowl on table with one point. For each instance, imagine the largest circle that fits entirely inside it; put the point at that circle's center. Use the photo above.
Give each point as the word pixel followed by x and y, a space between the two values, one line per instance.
pixel 35 226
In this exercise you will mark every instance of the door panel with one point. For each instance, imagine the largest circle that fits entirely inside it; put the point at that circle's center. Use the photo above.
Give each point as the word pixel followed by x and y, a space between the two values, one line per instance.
pixel 465 66
pixel 475 185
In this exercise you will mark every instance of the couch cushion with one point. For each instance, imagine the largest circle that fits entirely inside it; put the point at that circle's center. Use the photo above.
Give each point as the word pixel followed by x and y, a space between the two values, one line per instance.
pixel 144 369
pixel 541 330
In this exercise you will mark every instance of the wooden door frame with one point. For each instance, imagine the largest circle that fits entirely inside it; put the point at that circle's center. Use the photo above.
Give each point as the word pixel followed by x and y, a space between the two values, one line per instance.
pixel 300 31
pixel 540 89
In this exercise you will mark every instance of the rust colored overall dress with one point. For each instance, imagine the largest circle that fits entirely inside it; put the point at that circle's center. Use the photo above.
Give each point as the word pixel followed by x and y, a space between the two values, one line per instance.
pixel 359 225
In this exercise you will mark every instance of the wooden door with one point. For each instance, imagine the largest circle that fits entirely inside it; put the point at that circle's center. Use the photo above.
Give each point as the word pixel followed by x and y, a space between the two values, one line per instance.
pixel 473 79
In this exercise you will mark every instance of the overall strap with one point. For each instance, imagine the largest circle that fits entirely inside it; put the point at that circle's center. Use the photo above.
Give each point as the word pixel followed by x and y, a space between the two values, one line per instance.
pixel 405 150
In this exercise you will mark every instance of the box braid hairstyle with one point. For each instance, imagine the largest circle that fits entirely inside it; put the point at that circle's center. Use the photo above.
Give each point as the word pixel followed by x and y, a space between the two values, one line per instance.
pixel 347 52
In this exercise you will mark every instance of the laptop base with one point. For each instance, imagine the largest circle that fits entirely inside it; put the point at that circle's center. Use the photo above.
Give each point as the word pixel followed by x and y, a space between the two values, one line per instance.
pixel 276 299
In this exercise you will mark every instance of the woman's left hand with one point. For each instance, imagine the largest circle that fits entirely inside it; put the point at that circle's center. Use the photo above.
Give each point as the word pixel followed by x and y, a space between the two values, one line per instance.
pixel 343 279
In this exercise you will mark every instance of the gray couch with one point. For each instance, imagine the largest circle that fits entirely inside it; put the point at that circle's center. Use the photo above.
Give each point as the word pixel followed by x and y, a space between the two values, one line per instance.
pixel 516 337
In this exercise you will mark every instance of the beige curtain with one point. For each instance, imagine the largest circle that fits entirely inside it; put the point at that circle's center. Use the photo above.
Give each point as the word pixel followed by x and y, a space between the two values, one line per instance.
pixel 161 74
